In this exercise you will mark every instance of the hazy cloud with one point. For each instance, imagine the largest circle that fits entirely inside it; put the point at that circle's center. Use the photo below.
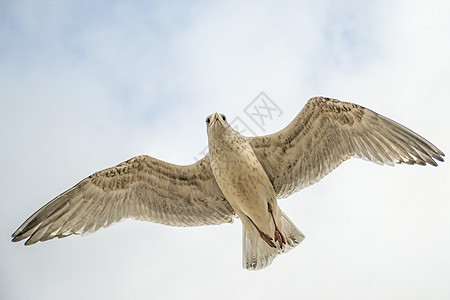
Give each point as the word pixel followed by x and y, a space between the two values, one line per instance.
pixel 85 86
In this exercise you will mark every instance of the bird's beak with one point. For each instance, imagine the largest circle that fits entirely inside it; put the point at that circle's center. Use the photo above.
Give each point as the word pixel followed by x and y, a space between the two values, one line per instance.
pixel 216 116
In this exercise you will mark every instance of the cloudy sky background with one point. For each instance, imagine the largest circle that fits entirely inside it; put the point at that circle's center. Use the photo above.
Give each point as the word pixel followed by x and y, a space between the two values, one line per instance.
pixel 85 85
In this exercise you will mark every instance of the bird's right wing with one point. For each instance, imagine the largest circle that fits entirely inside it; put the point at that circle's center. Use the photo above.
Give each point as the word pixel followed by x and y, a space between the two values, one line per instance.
pixel 327 132
pixel 142 188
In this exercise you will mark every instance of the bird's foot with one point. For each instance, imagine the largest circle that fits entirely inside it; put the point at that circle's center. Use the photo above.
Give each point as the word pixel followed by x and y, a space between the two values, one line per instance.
pixel 263 235
pixel 279 237
pixel 267 239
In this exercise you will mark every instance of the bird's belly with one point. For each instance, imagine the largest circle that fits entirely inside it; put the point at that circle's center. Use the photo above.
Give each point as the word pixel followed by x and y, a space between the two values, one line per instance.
pixel 244 183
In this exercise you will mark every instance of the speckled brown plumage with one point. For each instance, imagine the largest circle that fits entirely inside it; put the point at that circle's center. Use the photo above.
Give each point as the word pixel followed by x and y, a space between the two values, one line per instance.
pixel 141 188
pixel 327 132
pixel 241 176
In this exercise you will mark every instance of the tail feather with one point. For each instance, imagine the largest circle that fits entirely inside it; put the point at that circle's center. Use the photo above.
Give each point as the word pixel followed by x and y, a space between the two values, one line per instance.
pixel 291 232
pixel 257 254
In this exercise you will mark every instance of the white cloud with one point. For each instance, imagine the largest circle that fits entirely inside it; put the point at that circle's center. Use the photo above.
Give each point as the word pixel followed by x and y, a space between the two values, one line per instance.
pixel 85 86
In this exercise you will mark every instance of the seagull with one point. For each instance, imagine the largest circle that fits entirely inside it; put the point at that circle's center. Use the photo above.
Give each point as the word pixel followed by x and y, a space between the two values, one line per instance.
pixel 240 177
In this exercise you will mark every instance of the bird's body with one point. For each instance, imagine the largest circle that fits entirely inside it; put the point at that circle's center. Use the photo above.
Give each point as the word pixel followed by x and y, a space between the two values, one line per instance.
pixel 240 177
pixel 247 188
pixel 243 182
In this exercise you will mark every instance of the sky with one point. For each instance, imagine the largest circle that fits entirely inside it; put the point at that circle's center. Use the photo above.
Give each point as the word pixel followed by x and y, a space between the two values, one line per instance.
pixel 86 85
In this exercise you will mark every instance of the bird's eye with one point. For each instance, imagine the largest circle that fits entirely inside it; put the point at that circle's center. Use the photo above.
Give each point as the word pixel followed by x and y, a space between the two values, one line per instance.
pixel 223 118
pixel 208 120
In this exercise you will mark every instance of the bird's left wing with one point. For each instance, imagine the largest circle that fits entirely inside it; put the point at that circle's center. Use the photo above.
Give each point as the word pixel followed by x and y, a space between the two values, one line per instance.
pixel 327 132
pixel 142 188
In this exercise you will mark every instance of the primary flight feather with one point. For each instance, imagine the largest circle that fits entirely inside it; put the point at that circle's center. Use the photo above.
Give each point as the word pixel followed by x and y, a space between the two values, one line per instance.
pixel 240 177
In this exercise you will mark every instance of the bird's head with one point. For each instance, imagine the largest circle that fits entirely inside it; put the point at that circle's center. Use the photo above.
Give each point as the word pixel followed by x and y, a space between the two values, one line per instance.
pixel 217 126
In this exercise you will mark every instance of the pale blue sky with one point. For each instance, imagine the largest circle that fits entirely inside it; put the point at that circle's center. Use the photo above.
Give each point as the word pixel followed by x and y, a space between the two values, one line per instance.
pixel 86 85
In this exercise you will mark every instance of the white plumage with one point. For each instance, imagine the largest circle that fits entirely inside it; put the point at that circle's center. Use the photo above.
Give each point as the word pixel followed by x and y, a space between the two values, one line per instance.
pixel 239 177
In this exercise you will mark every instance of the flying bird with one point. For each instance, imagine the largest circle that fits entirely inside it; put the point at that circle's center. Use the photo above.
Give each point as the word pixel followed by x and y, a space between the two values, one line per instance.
pixel 240 177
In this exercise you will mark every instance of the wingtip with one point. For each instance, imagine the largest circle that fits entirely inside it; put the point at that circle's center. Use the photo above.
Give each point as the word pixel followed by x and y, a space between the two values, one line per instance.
pixel 16 233
pixel 16 238
pixel 439 158
pixel 29 242
pixel 19 236
pixel 433 163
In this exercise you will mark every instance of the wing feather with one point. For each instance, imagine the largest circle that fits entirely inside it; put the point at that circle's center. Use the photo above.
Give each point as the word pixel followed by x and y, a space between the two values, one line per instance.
pixel 327 132
pixel 141 188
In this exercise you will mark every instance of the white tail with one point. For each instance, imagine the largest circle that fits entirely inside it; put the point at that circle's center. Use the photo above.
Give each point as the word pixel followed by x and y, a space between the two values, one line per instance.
pixel 257 254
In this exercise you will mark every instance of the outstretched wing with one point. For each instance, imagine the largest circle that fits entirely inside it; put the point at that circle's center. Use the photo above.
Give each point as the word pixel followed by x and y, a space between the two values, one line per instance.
pixel 327 132
pixel 142 188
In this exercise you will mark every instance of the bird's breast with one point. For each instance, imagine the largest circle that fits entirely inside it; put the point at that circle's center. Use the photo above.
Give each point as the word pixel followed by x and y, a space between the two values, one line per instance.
pixel 242 179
